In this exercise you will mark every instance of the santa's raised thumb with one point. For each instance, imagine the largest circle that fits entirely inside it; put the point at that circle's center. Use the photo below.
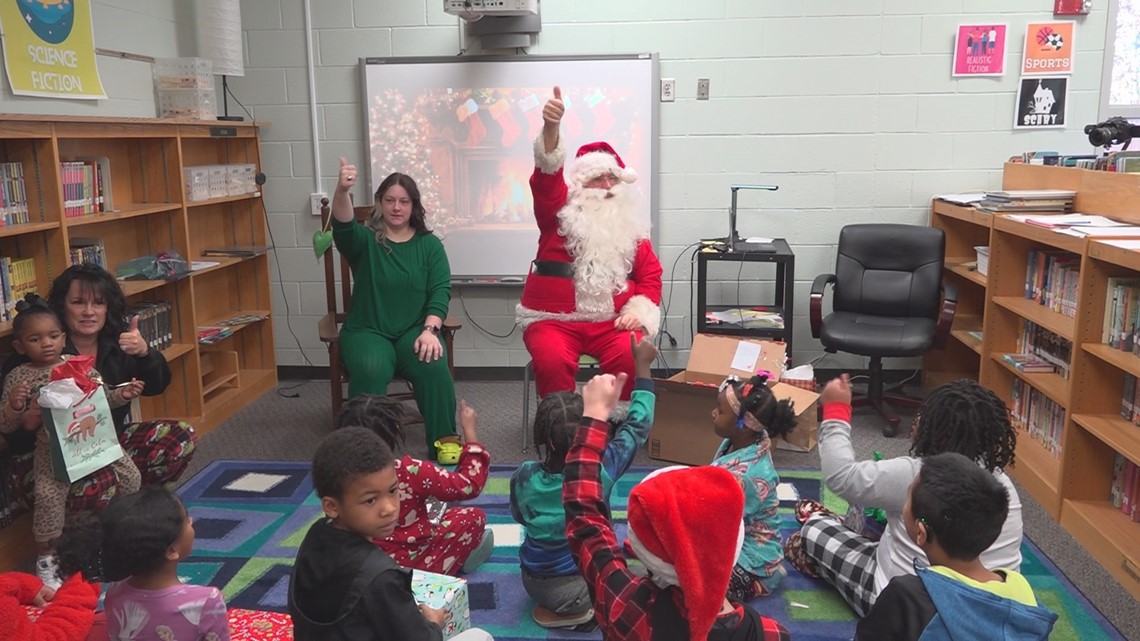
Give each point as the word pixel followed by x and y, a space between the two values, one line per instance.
pixel 686 525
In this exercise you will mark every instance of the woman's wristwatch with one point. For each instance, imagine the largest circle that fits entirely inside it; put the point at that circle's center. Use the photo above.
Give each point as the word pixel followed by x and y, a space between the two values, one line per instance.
pixel 428 327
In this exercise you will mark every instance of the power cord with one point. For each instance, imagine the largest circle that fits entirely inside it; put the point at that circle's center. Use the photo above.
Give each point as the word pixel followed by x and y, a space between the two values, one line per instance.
pixel 663 332
pixel 463 304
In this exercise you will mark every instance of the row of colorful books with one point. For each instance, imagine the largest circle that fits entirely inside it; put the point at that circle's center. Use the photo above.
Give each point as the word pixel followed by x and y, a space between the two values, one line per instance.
pixel 1040 350
pixel 13 195
pixel 1052 279
pixel 88 250
pixel 85 190
pixel 1037 416
pixel 154 322
pixel 1126 487
pixel 1129 407
pixel 17 279
pixel 1122 314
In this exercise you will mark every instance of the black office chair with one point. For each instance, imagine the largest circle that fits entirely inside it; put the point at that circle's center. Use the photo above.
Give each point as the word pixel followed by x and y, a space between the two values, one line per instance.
pixel 888 300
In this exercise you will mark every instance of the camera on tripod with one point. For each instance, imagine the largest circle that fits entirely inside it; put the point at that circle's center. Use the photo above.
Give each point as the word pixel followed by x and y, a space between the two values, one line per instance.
pixel 1114 131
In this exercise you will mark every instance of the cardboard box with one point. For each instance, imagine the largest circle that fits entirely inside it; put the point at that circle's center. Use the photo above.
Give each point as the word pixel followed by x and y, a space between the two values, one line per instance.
pixel 447 593
pixel 682 428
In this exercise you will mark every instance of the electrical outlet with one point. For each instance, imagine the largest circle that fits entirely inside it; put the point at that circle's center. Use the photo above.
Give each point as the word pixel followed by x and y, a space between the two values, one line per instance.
pixel 703 89
pixel 315 203
pixel 668 90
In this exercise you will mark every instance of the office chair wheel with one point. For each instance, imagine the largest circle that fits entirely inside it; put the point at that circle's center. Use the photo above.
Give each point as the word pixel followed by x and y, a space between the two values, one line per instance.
pixel 890 430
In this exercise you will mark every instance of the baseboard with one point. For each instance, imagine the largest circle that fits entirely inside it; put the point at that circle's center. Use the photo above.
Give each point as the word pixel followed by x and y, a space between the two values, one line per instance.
pixel 492 374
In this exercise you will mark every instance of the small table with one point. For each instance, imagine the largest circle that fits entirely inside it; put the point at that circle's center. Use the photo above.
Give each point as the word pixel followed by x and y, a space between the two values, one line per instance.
pixel 785 262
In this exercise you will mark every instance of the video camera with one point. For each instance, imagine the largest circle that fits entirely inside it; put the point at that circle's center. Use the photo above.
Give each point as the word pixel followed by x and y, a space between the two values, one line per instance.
pixel 1113 131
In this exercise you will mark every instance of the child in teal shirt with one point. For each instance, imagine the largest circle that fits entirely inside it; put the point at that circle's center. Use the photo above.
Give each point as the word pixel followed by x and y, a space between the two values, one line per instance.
pixel 549 573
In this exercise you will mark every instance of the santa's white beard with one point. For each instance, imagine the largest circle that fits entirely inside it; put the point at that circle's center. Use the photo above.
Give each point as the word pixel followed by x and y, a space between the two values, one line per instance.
pixel 601 234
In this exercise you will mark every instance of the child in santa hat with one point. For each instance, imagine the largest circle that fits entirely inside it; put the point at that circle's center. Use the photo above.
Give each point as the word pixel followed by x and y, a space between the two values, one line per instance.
pixel 747 416
pixel 685 524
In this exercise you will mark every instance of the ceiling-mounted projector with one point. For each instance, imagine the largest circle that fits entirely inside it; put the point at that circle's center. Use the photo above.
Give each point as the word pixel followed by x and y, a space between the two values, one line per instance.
pixel 469 8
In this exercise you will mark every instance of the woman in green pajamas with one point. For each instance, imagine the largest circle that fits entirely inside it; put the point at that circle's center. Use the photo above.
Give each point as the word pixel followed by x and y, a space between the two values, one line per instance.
pixel 400 295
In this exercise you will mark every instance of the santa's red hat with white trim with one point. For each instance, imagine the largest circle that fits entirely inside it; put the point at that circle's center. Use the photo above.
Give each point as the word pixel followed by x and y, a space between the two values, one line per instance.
pixel 686 524
pixel 597 159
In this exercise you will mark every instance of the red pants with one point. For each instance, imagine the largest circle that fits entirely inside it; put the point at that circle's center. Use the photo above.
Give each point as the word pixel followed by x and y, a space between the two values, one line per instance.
pixel 556 346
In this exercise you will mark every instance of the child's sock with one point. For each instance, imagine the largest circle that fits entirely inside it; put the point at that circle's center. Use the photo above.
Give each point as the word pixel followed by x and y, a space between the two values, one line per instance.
pixel 481 553
pixel 47 570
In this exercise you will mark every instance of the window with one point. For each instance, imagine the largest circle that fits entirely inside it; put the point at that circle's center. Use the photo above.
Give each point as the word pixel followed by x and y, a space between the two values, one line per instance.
pixel 1120 79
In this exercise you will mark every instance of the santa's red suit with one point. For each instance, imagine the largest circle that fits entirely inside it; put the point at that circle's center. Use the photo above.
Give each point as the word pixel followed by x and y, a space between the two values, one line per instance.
pixel 594 263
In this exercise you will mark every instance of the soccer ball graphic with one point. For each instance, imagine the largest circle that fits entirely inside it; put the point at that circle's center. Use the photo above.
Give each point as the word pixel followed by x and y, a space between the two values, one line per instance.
pixel 1050 39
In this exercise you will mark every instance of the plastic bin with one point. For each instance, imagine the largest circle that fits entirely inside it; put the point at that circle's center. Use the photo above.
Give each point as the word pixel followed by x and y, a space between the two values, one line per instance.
pixel 195 104
pixel 983 259
pixel 183 73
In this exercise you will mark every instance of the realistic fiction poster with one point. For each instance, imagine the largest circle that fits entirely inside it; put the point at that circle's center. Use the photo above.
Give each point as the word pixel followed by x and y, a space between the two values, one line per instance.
pixel 979 50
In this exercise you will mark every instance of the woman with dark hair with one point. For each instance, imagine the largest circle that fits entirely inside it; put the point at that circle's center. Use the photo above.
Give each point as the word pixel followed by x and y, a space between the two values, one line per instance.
pixel 93 309
pixel 401 291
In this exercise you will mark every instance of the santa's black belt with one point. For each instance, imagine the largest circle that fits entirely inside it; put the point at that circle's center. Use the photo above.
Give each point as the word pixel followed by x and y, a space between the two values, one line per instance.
pixel 554 268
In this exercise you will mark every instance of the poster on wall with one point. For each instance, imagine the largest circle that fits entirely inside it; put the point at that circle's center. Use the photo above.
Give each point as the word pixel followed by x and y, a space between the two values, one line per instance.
pixel 979 50
pixel 49 48
pixel 1041 102
pixel 1049 48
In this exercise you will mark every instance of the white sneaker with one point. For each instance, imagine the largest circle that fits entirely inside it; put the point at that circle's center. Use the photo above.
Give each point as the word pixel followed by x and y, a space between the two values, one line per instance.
pixel 48 571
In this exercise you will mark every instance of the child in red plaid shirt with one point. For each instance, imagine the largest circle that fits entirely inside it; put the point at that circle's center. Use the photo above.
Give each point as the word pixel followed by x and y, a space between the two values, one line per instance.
pixel 685 524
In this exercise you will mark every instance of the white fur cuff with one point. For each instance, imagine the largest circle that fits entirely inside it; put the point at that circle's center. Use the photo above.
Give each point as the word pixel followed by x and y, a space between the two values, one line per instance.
pixel 548 163
pixel 648 312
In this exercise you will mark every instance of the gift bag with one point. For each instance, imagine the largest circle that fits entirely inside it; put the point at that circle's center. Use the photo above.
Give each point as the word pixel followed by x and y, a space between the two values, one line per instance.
pixel 78 420
pixel 802 377
pixel 446 593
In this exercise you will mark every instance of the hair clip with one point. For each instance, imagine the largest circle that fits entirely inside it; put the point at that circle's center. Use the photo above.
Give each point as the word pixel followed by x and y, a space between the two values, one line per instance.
pixel 731 379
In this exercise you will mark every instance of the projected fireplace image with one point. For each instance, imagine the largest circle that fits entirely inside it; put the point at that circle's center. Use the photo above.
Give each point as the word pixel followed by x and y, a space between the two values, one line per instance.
pixel 494 188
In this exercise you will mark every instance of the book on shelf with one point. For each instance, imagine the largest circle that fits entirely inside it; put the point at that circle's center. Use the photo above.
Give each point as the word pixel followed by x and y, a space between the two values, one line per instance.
pixel 1125 491
pixel 88 250
pixel 1038 416
pixel 975 334
pixel 17 279
pixel 236 251
pixel 154 323
pixel 13 194
pixel 1129 395
pixel 1121 314
pixel 1043 345
pixel 101 177
pixel 208 335
pixel 1029 364
pixel 1052 279
pixel 80 188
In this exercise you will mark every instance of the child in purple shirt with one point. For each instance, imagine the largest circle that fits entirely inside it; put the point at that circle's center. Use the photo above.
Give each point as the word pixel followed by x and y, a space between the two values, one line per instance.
pixel 135 544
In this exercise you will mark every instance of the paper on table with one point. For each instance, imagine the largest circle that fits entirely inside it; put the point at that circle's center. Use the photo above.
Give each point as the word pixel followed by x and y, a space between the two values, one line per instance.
pixel 962 199
pixel 758 239
pixel 1101 232
pixel 1065 220
pixel 746 356
pixel 1123 244
pixel 196 265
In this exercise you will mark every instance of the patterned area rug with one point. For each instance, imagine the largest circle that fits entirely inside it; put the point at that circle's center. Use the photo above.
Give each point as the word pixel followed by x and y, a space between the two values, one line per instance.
pixel 250 517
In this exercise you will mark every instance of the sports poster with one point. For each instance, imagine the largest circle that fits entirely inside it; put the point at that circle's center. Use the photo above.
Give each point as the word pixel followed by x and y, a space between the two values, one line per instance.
pixel 1042 102
pixel 979 50
pixel 49 48
pixel 1049 48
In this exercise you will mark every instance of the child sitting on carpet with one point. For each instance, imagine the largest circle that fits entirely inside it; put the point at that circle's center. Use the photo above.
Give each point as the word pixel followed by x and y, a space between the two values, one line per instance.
pixel 135 544
pixel 954 511
pixel 549 573
pixel 685 524
pixel 961 417
pixel 343 587
pixel 462 539
pixel 746 415
pixel 37 333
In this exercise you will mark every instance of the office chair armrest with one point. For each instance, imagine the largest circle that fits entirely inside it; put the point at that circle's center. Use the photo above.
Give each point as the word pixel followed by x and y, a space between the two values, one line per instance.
pixel 815 307
pixel 946 315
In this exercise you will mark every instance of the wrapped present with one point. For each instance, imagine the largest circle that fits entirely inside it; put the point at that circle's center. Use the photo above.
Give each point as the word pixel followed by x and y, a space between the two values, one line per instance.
pixel 252 625
pixel 447 593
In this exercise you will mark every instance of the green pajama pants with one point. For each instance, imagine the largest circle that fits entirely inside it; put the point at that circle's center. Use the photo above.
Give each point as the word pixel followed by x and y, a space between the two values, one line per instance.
pixel 372 361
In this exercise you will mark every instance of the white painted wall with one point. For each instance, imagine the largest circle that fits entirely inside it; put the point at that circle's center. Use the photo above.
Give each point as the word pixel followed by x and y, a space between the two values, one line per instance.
pixel 157 28
pixel 848 106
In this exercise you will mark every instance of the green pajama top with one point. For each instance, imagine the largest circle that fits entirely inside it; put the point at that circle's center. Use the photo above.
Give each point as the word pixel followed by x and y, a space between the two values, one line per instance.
pixel 397 286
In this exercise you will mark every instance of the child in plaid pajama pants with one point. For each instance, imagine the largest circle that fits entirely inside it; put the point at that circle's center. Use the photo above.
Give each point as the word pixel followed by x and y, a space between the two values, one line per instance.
pixel 961 417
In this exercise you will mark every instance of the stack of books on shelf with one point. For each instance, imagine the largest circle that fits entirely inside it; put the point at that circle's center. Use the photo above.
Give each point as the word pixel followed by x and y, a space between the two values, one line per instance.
pixel 1043 351
pixel 17 279
pixel 1028 200
pixel 154 323
pixel 211 334
pixel 1037 416
pixel 1052 279
pixel 84 186
pixel 1122 314
pixel 88 250
pixel 1126 487
pixel 13 197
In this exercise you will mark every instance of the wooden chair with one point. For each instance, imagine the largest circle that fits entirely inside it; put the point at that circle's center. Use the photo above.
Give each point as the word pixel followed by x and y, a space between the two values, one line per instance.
pixel 328 327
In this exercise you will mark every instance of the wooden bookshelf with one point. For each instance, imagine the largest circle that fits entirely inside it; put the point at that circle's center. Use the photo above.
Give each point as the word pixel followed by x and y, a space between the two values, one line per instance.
pixel 152 214
pixel 1072 483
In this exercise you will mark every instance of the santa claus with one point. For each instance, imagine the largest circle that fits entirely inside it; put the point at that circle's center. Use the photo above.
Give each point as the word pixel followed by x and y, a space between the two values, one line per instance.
pixel 595 278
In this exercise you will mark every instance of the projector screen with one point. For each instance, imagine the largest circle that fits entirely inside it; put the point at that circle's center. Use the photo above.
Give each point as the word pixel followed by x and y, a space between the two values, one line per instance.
pixel 464 129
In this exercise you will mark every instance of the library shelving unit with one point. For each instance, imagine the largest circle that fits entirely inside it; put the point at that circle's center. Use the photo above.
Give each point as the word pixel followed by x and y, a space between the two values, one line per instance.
pixel 1070 475
pixel 965 228
pixel 152 213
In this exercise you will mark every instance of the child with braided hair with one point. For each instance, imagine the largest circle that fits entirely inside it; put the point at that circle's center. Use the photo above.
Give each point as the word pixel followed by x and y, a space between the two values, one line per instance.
pixel 747 416
pixel 961 417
